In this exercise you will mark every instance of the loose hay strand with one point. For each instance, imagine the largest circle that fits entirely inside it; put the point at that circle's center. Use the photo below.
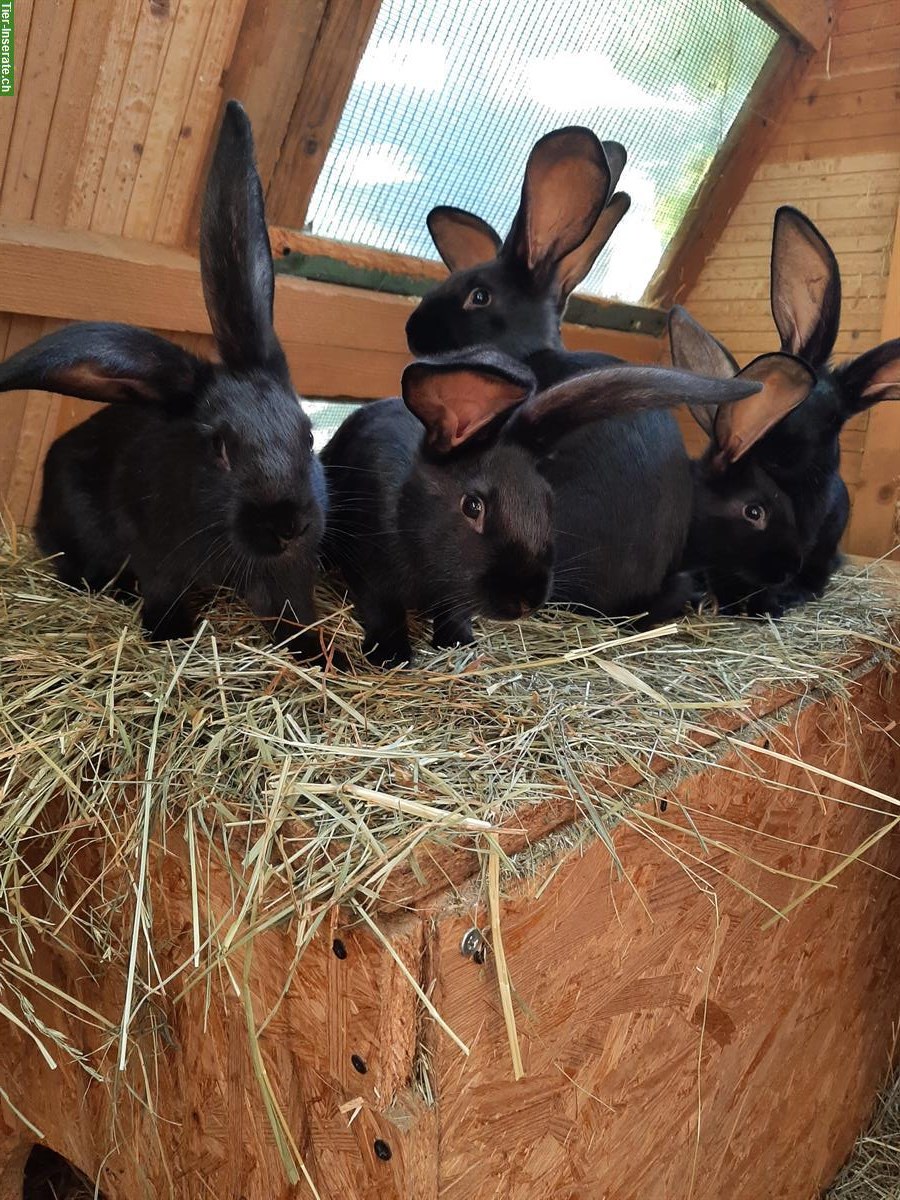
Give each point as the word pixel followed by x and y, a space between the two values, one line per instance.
pixel 509 1015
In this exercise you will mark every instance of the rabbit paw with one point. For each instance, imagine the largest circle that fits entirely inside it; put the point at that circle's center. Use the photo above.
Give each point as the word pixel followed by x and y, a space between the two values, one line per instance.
pixel 451 631
pixel 167 620
pixel 388 650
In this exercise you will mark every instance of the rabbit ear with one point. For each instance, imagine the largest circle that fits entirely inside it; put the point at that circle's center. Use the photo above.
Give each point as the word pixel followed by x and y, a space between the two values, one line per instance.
pixel 115 364
pixel 566 184
pixel 806 287
pixel 871 377
pixel 695 349
pixel 786 382
pixel 573 268
pixel 456 395
pixel 616 158
pixel 616 391
pixel 462 239
pixel 235 256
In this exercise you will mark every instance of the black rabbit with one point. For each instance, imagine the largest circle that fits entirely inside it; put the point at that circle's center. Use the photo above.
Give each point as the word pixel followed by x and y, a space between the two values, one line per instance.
pixel 512 294
pixel 789 452
pixel 197 475
pixel 622 487
pixel 439 504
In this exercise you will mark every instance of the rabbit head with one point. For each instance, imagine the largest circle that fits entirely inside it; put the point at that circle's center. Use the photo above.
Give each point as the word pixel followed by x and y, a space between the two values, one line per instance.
pixel 743 518
pixel 478 515
pixel 512 293
pixel 236 427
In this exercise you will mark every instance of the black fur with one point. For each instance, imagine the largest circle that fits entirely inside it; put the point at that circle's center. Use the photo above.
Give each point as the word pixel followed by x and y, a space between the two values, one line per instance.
pixel 622 487
pixel 397 527
pixel 207 477
pixel 793 470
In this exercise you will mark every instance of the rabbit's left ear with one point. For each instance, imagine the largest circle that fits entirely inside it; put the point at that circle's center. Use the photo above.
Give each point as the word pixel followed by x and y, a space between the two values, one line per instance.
pixel 235 256
pixel 113 364
pixel 456 395
pixel 695 349
pixel 462 239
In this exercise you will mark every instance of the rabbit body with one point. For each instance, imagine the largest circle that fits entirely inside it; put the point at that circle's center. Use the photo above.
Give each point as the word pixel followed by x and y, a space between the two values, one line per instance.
pixel 622 486
pixel 143 498
pixel 398 536
pixel 444 502
pixel 196 475
pixel 771 506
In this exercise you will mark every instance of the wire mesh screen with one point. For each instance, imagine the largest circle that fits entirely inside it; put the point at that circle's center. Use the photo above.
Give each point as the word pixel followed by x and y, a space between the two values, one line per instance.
pixel 326 416
pixel 451 94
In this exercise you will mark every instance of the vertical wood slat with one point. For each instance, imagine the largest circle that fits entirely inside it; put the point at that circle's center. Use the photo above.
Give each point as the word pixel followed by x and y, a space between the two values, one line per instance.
pixel 38 87
pixel 194 148
pixel 271 57
pixel 168 118
pixel 79 76
pixel 8 111
pixel 343 36
pixel 143 75
pixel 875 521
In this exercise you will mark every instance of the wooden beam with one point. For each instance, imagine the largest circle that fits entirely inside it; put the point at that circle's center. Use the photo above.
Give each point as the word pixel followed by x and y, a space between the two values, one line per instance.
pixel 340 341
pixel 343 35
pixel 874 522
pixel 351 265
pixel 728 177
pixel 810 21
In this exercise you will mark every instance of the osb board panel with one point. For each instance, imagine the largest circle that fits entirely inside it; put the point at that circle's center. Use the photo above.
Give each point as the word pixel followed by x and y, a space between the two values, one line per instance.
pixel 644 1001
pixel 640 1002
pixel 212 1134
pixel 836 156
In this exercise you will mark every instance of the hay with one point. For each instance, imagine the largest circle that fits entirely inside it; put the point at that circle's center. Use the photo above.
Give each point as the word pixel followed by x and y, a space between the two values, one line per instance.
pixel 873 1169
pixel 311 790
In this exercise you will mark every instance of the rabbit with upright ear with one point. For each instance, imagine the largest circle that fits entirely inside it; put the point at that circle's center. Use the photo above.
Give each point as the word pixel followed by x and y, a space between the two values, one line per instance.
pixel 512 293
pixel 439 503
pixel 790 449
pixel 197 475
pixel 622 486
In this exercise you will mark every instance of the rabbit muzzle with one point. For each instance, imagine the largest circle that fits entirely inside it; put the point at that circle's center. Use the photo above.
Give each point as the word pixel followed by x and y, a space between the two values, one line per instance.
pixel 269 530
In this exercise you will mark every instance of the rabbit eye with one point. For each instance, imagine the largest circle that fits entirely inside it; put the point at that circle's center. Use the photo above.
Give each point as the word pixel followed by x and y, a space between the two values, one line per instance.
pixel 472 508
pixel 312 440
pixel 755 514
pixel 479 297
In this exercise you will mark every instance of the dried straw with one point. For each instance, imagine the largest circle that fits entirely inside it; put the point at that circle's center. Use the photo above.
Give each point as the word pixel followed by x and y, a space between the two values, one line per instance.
pixel 311 789
pixel 873 1170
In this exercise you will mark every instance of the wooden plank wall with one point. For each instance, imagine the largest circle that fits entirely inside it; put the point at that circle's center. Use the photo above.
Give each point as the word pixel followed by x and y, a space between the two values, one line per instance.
pixel 116 103
pixel 836 156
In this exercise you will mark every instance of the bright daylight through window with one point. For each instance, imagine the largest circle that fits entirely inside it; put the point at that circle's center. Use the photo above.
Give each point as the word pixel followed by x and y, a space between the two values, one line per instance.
pixel 451 94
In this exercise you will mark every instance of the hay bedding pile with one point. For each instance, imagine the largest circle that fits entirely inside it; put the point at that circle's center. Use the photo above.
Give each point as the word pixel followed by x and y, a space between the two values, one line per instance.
pixel 313 788
pixel 873 1170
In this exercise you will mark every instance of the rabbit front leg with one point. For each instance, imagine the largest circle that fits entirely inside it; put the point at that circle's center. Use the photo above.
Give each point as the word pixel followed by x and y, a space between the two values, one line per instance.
pixel 451 629
pixel 166 616
pixel 385 633
pixel 286 608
